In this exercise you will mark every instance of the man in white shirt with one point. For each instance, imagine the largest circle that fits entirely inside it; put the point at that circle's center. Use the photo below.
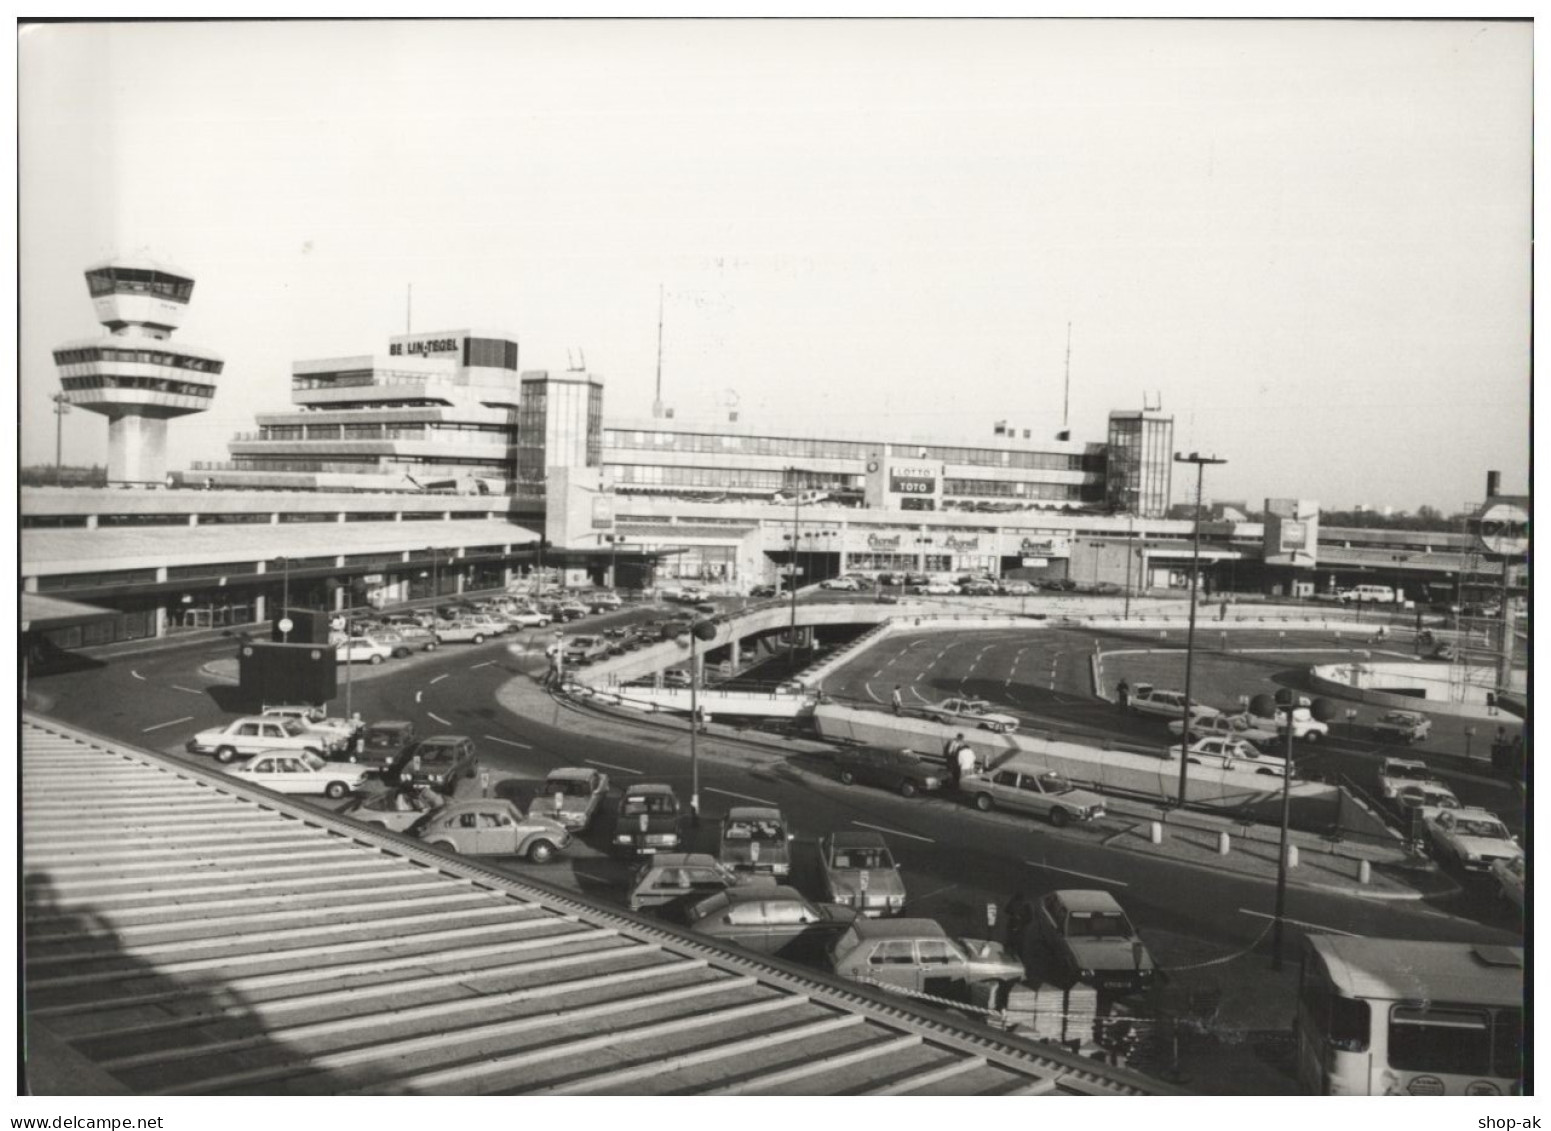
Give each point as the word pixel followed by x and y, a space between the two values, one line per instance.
pixel 968 763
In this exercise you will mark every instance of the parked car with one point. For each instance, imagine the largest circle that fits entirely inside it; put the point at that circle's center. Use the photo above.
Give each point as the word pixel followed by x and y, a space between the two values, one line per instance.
pixel 848 584
pixel 891 769
pixel 463 632
pixel 1027 787
pixel 1231 754
pixel 1396 774
pixel 396 809
pixel 572 794
pixel 1149 700
pixel 1473 838
pixel 668 883
pixel 675 677
pixel 381 742
pixel 412 634
pixel 1245 727
pixel 916 579
pixel 1509 875
pixel 314 719
pixel 978 588
pixel 647 820
pixel 1090 937
pixel 245 737
pixel 300 771
pixel 1016 588
pixel 918 955
pixel 755 839
pixel 1421 800
pixel 584 649
pixel 528 618
pixel 492 827
pixel 1402 726
pixel 605 602
pixel 971 712
pixel 438 761
pixel 362 650
pixel 773 920
pixel 936 589
pixel 763 591
pixel 570 610
pixel 1305 727
pixel 859 871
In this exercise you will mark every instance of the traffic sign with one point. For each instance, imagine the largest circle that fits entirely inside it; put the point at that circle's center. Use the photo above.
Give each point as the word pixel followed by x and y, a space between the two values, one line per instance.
pixel 1503 528
pixel 285 624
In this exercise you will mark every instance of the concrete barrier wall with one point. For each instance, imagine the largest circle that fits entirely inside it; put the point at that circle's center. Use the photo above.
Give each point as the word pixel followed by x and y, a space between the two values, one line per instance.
pixel 675 700
pixel 1366 681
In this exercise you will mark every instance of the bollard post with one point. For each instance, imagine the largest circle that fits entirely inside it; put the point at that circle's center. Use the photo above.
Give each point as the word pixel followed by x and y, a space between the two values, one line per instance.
pixel 1156 832
pixel 1224 843
pixel 1292 855
pixel 1364 872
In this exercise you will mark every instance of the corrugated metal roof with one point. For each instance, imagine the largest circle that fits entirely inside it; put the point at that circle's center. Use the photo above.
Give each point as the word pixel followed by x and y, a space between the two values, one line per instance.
pixel 186 934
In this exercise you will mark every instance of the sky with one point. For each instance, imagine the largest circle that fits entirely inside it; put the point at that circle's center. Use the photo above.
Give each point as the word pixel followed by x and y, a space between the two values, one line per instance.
pixel 1311 240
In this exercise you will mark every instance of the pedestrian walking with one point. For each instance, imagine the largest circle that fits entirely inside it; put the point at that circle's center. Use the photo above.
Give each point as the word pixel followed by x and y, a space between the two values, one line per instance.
pixel 967 761
pixel 950 756
pixel 1222 611
pixel 1123 693
pixel 898 701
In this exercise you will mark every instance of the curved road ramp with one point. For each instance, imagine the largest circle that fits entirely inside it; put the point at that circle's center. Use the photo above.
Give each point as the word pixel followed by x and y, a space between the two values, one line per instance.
pixel 186 934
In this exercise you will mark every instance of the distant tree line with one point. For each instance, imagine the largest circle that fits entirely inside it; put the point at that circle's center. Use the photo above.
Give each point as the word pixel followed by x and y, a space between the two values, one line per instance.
pixel 44 475
pixel 1425 518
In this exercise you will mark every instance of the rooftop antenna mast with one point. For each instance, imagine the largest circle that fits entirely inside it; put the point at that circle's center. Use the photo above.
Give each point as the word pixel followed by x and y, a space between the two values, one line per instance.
pixel 1066 400
pixel 657 401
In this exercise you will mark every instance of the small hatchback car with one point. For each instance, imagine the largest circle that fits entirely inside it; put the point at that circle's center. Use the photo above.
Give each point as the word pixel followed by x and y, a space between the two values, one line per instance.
pixel 1091 939
pixel 492 827
pixel 859 871
pixel 438 761
pixel 571 795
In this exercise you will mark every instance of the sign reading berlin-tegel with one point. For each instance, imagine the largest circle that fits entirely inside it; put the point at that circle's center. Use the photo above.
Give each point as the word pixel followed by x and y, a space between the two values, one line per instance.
pixel 1503 529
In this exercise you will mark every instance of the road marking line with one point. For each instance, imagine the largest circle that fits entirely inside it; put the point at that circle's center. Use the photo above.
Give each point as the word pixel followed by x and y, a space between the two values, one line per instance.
pixel 190 690
pixel 893 832
pixel 137 675
pixel 506 741
pixel 1301 923
pixel 877 673
pixel 441 677
pixel 175 722
pixel 1072 872
pixel 743 797
pixel 611 766
pixel 439 719
pixel 919 899
pixel 475 668
pixel 867 687
pixel 593 876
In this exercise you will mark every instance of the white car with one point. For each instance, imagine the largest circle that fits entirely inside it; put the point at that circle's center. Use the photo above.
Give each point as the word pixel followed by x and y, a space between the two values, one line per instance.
pixel 604 602
pixel 1510 880
pixel 1244 727
pixel 362 650
pixel 1149 700
pixel 1231 754
pixel 1016 588
pixel 1305 727
pixel 245 737
pixel 1473 838
pixel 849 584
pixel 937 589
pixel 1028 789
pixel 285 771
pixel 972 712
pixel 528 618
pixel 1402 726
pixel 313 719
pixel 1395 774
pixel 462 632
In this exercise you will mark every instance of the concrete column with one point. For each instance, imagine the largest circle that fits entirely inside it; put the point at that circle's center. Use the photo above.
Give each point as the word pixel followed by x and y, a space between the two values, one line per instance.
pixel 340 517
pixel 30 584
pixel 193 520
pixel 91 522
pixel 259 607
pixel 459 579
pixel 274 519
pixel 736 647
pixel 161 621
pixel 339 599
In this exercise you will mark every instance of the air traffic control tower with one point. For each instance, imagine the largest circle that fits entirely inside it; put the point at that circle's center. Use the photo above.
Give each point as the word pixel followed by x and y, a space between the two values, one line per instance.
pixel 135 376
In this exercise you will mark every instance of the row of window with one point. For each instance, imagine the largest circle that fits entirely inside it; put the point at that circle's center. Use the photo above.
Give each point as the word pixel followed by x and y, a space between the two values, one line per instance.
pixel 136 280
pixel 91 354
pixel 430 431
pixel 744 445
pixel 1000 457
pixel 1018 489
pixel 152 384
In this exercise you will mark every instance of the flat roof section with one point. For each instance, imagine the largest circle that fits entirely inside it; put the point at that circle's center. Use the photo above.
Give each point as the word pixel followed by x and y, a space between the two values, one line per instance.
pixel 186 934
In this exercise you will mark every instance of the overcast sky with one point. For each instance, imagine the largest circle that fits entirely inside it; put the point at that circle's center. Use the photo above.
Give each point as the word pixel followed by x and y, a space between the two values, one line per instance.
pixel 1311 239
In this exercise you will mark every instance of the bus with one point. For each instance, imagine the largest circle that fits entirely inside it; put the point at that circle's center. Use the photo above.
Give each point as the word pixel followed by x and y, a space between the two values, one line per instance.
pixel 1391 1017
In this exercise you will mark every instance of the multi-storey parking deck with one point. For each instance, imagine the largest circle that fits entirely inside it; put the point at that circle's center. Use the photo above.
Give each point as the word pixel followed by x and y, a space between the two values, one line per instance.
pixel 185 934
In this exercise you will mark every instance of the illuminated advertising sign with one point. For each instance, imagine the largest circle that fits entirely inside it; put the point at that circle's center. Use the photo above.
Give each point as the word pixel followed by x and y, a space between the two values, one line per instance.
pixel 1503 529
pixel 1295 535
pixel 911 485
pixel 880 542
pixel 603 512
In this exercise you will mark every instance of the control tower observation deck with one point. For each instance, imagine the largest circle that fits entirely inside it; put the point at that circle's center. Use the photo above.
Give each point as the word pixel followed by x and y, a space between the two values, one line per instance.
pixel 134 375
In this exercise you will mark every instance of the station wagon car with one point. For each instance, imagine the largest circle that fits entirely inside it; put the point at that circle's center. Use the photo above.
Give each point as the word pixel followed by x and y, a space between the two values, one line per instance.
pixel 464 631
pixel 300 772
pixel 918 955
pixel 772 920
pixel 381 742
pixel 492 827
pixel 647 820
pixel 1402 726
pixel 1032 789
pixel 669 882
pixel 572 794
pixel 755 839
pixel 891 769
pixel 859 871
pixel 243 738
pixel 1090 937
pixel 1149 700
pixel 438 761
pixel 971 712
pixel 396 809
pixel 1473 838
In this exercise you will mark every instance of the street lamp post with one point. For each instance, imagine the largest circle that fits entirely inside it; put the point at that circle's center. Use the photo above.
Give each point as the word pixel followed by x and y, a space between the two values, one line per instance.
pixel 285 597
pixel 699 631
pixel 1200 462
pixel 61 406
pixel 791 639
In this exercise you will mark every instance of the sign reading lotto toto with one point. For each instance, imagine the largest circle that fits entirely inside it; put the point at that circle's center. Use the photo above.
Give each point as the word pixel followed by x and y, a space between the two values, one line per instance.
pixel 1503 529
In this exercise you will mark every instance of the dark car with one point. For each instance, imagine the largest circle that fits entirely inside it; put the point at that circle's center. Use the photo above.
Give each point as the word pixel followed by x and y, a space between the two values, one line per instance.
pixel 1092 941
pixel 903 770
pixel 772 920
pixel 382 742
pixel 763 591
pixel 647 820
pixel 438 761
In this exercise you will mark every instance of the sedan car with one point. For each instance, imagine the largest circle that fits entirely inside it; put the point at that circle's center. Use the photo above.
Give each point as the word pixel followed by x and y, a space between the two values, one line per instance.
pixel 492 827
pixel 464 632
pixel 1033 789
pixel 1473 838
pixel 314 719
pixel 1509 875
pixel 528 618
pixel 1245 727
pixel 1402 726
pixel 1395 774
pixel 891 769
pixel 971 712
pixel 667 884
pixel 438 761
pixel 848 584
pixel 395 810
pixel 859 871
pixel 1016 588
pixel 572 794
pixel 918 955
pixel 300 772
pixel 763 591
pixel 362 650
pixel 243 738
pixel 755 839
pixel 1092 940
pixel 772 920
pixel 1231 754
